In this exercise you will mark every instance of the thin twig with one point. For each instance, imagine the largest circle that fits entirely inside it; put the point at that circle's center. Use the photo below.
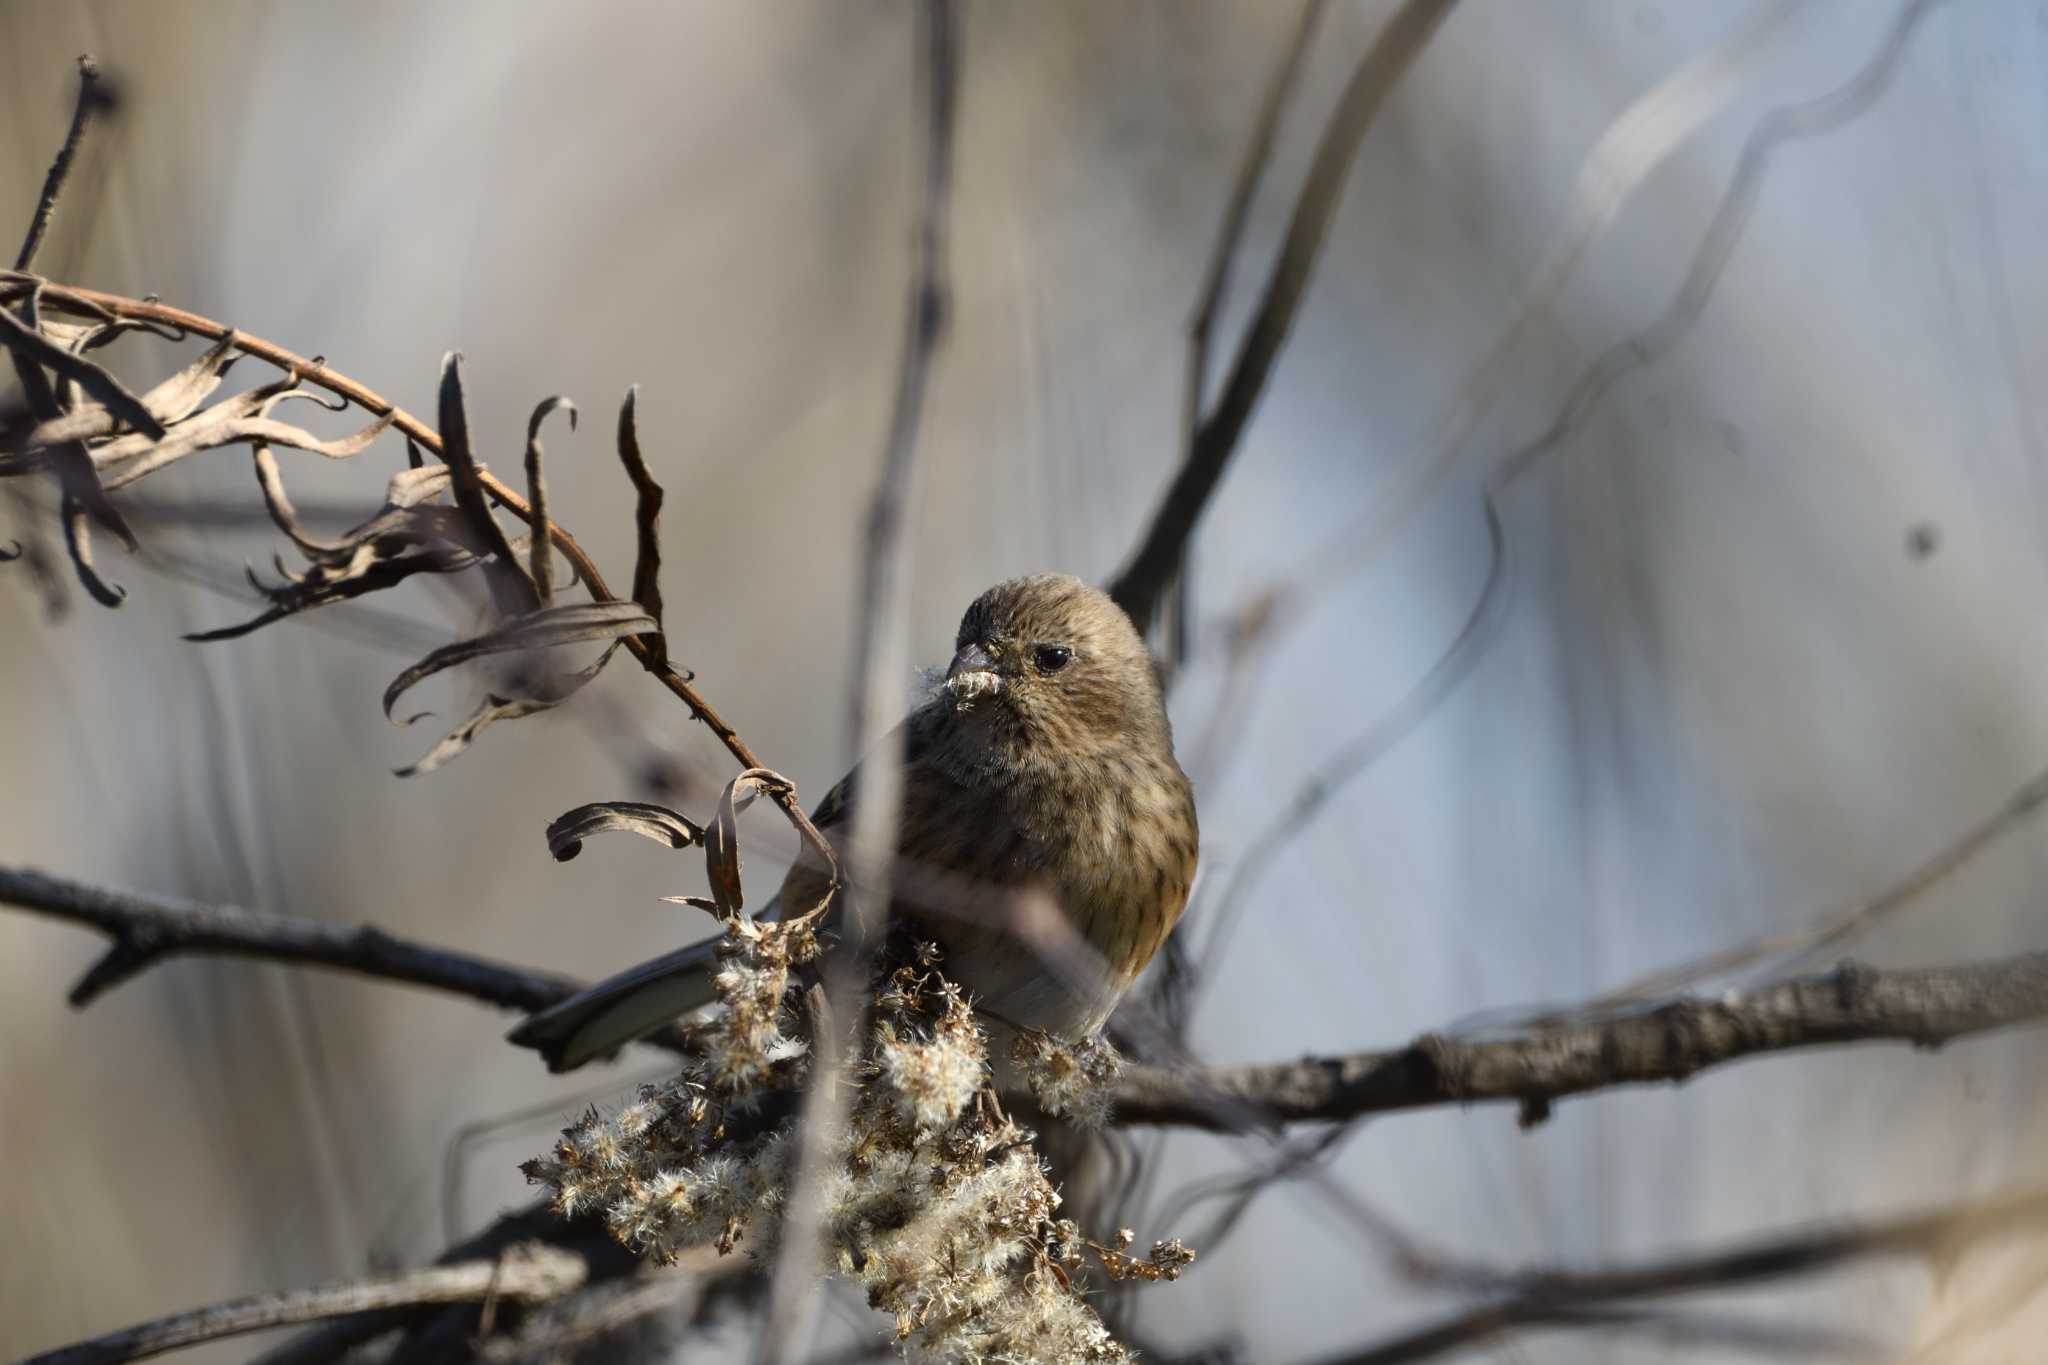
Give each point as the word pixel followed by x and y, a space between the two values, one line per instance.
pixel 147 930
pixel 90 97
pixel 1852 1004
pixel 884 629
pixel 1216 277
pixel 1138 586
pixel 1549 1296
pixel 533 1272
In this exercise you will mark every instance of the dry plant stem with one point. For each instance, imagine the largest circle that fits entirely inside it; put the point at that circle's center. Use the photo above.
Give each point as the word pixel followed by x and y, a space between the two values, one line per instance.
pixel 840 1018
pixel 1139 585
pixel 95 303
pixel 1852 1004
pixel 527 1273
pixel 147 930
pixel 89 97
pixel 1551 1296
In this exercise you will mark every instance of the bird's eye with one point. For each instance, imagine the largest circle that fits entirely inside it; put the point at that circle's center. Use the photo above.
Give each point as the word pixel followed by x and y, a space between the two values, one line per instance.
pixel 1051 658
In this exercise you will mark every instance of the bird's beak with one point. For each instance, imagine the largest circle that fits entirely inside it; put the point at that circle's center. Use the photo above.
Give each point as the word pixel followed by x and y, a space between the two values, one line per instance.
pixel 972 673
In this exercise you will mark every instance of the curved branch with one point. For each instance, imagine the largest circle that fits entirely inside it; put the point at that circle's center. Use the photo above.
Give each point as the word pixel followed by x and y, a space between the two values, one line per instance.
pixel 1572 1298
pixel 531 1272
pixel 147 930
pixel 96 303
pixel 1852 1004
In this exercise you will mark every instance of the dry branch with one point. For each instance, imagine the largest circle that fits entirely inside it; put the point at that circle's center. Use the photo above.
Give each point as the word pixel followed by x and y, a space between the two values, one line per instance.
pixel 91 96
pixel 1567 1297
pixel 92 303
pixel 1925 1007
pixel 147 930
pixel 1852 1004
pixel 532 1272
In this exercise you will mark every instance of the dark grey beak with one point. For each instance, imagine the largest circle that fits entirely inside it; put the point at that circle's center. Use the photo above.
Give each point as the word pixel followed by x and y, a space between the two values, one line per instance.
pixel 971 659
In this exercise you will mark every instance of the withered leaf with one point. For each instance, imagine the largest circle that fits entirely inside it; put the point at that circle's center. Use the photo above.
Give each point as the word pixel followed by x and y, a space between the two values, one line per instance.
pixel 722 840
pixel 31 347
pixel 566 832
pixel 82 493
pixel 242 418
pixel 541 571
pixel 646 516
pixel 171 401
pixel 543 629
pixel 512 592
pixel 552 692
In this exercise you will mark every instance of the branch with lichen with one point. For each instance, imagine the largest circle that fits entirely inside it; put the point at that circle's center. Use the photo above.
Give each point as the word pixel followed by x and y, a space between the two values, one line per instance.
pixel 1662 1043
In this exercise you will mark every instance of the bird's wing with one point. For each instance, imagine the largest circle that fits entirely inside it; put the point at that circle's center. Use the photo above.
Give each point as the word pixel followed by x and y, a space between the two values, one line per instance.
pixel 808 878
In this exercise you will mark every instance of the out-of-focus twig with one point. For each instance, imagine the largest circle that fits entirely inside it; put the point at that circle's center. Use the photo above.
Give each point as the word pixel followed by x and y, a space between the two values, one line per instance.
pixel 1561 1297
pixel 91 96
pixel 1152 566
pixel 147 930
pixel 1852 1004
pixel 532 1272
pixel 1216 277
pixel 841 1018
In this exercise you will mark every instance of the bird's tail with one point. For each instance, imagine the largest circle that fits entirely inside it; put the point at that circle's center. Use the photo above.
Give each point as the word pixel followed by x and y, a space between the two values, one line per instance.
pixel 620 1008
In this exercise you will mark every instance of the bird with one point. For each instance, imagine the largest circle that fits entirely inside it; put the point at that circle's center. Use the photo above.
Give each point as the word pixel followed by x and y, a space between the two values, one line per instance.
pixel 1039 772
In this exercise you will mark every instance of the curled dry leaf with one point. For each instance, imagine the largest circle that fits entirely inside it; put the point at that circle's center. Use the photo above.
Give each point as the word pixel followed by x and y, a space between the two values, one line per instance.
pixel 552 691
pixel 31 347
pixel 577 623
pixel 566 832
pixel 408 535
pixel 537 498
pixel 69 460
pixel 242 419
pixel 513 593
pixel 722 840
pixel 646 516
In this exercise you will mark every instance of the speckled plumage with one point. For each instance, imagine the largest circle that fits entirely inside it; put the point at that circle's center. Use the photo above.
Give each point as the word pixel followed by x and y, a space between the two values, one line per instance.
pixel 1026 784
pixel 1061 782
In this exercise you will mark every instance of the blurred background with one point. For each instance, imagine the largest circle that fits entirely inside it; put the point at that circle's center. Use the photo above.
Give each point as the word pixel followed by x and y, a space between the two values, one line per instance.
pixel 1768 635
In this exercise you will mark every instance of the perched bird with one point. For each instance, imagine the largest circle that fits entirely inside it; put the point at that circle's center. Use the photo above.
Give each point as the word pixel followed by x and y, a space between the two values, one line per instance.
pixel 1040 772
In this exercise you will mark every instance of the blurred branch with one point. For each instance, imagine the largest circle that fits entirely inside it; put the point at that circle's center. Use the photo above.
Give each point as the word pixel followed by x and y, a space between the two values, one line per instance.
pixel 1216 279
pixel 532 1272
pixel 1832 929
pixel 1565 1297
pixel 840 1014
pixel 1852 1004
pixel 1152 567
pixel 91 96
pixel 147 930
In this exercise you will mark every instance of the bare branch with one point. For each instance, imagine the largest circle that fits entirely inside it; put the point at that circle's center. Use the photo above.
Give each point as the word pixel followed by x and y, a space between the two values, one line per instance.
pixel 147 930
pixel 91 96
pixel 1565 1297
pixel 841 1013
pixel 1926 1007
pixel 1138 586
pixel 531 1272
pixel 1852 1004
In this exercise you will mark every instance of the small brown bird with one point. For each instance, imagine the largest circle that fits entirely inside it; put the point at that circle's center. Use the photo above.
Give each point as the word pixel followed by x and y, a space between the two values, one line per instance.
pixel 1044 765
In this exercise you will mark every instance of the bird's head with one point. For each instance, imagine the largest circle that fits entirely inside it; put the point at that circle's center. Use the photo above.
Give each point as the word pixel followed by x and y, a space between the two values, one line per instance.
pixel 1051 665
